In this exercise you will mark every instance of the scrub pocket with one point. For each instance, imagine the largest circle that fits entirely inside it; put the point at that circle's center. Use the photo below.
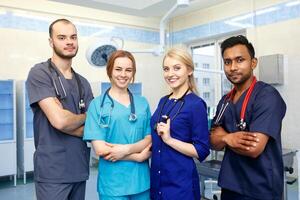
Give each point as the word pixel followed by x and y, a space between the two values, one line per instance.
pixel 104 119
pixel 140 127
pixel 50 161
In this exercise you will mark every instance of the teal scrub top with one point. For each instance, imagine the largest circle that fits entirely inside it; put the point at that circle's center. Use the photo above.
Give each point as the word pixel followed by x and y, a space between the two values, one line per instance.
pixel 121 177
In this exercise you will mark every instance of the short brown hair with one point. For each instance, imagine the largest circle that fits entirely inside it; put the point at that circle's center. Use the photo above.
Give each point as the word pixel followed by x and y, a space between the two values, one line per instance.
pixel 56 21
pixel 119 54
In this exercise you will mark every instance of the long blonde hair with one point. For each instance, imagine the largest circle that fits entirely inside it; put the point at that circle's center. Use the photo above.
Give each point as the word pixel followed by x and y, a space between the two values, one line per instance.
pixel 186 58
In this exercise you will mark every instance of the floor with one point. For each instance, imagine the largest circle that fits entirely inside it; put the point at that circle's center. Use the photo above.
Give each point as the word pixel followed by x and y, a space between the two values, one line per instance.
pixel 26 192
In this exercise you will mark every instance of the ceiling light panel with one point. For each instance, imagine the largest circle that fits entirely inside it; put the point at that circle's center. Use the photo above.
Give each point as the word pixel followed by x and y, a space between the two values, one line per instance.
pixel 133 4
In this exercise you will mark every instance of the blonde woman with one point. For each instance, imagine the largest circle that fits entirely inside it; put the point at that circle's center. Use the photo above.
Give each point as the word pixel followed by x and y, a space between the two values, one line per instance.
pixel 179 131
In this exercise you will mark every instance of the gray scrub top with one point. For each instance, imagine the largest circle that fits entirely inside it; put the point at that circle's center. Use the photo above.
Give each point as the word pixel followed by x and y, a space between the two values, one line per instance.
pixel 59 157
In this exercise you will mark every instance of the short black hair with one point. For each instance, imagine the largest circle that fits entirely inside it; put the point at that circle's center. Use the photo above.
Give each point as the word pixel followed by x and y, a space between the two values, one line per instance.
pixel 56 21
pixel 235 40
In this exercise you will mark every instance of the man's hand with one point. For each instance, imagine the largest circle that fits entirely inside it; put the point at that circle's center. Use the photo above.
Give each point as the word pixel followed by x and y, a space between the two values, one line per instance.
pixel 58 103
pixel 60 118
pixel 241 140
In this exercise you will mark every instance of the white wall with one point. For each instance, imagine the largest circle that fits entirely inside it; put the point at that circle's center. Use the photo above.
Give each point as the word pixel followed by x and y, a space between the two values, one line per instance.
pixel 283 38
pixel 21 49
pixel 66 10
pixel 218 12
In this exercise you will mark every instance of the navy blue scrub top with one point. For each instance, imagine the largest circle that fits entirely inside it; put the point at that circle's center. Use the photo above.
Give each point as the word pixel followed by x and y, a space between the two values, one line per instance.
pixel 260 177
pixel 173 174
pixel 59 157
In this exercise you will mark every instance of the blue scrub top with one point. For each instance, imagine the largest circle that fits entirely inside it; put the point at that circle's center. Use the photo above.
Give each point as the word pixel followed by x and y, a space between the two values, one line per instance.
pixel 260 177
pixel 122 177
pixel 59 157
pixel 173 174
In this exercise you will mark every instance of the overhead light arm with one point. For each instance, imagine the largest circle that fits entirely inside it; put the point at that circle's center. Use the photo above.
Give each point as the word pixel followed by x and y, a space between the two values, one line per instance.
pixel 98 53
pixel 162 26
pixel 165 18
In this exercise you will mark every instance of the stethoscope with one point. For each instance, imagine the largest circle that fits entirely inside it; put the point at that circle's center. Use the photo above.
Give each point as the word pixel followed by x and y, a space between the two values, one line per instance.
pixel 63 95
pixel 164 117
pixel 132 116
pixel 242 123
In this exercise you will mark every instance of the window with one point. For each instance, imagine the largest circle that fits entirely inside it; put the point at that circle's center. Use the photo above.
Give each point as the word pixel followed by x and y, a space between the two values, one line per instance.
pixel 206 95
pixel 208 72
pixel 212 82
pixel 205 81
pixel 205 65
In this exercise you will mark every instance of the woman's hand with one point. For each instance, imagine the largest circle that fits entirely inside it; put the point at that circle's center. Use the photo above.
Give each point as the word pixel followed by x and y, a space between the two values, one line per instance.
pixel 145 154
pixel 163 130
pixel 117 152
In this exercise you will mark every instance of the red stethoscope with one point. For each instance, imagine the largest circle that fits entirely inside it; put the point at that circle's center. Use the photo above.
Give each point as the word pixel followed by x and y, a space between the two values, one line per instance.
pixel 242 123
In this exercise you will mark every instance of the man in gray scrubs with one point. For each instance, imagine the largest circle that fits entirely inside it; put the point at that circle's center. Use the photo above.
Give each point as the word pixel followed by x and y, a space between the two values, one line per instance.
pixel 59 98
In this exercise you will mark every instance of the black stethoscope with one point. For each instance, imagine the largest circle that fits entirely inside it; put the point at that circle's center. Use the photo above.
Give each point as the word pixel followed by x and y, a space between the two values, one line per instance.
pixel 166 116
pixel 242 123
pixel 62 95
pixel 132 116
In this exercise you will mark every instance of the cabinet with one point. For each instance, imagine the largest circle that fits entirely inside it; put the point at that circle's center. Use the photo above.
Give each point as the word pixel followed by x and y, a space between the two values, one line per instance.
pixel 8 166
pixel 25 141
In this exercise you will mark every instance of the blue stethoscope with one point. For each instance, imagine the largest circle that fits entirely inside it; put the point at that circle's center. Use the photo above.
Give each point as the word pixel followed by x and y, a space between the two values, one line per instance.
pixel 132 116
pixel 62 95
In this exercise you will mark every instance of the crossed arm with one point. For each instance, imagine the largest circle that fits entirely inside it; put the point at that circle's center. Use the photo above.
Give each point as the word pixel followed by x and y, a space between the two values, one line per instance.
pixel 139 151
pixel 61 118
pixel 250 144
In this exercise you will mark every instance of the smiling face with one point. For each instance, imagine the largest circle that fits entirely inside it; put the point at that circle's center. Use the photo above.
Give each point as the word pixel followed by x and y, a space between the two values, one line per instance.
pixel 64 40
pixel 122 73
pixel 176 74
pixel 238 65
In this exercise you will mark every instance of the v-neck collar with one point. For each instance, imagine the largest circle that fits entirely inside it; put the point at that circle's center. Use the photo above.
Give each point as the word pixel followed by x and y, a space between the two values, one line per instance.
pixel 117 102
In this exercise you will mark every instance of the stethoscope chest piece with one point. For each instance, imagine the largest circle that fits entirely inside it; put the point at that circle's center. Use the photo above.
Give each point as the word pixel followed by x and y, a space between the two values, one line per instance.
pixel 81 104
pixel 132 117
pixel 242 125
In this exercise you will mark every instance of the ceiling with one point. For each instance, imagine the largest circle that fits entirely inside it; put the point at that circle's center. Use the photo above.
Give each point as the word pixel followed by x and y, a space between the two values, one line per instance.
pixel 142 8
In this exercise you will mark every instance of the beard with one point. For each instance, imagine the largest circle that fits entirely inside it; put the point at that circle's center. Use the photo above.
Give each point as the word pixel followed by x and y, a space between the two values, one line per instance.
pixel 239 81
pixel 60 53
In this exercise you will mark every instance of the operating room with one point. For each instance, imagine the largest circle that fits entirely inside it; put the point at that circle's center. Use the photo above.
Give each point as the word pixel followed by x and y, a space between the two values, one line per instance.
pixel 147 29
